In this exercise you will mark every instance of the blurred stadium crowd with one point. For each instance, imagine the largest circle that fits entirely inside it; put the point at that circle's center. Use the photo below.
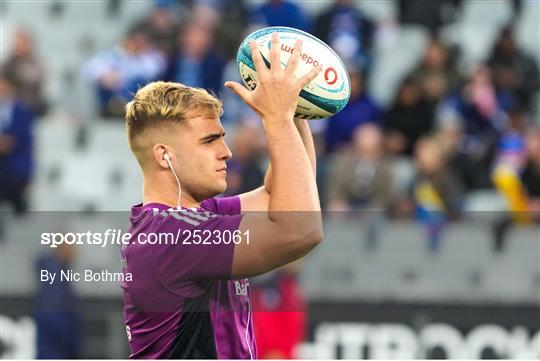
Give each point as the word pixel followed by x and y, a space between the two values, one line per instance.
pixel 442 120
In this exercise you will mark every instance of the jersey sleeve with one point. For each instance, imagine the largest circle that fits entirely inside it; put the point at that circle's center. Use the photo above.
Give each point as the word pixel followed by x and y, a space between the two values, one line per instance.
pixel 204 249
pixel 223 206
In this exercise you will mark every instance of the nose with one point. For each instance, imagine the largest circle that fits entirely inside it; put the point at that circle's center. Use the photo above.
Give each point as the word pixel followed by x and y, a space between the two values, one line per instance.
pixel 225 153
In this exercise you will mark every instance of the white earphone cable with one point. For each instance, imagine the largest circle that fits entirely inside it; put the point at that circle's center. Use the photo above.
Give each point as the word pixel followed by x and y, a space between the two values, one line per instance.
pixel 177 180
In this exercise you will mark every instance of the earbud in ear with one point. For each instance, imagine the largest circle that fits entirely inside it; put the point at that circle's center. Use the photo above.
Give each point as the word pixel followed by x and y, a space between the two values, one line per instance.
pixel 166 157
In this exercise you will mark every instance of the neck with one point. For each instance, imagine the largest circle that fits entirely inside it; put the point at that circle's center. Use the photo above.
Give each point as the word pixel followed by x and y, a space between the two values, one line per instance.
pixel 162 188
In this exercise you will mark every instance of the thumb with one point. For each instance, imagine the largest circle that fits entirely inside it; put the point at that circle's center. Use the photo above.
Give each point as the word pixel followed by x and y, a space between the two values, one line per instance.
pixel 239 90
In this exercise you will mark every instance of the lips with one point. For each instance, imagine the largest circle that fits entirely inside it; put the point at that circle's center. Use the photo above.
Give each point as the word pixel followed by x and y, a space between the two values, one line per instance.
pixel 224 169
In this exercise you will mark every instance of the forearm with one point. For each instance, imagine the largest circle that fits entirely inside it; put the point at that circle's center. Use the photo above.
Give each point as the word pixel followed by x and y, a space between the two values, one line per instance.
pixel 291 176
pixel 307 139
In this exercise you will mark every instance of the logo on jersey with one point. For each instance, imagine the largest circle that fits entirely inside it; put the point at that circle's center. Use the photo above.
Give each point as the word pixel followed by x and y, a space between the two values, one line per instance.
pixel 241 287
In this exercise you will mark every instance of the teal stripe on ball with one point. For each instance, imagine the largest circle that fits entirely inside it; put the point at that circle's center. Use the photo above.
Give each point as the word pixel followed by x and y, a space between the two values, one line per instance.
pixel 330 105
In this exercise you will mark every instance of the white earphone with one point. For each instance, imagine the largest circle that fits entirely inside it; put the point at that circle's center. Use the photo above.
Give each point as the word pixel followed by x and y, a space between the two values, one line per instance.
pixel 168 160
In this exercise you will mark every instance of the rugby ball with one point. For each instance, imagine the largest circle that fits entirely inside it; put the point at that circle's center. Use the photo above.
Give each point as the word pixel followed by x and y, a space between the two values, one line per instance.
pixel 325 95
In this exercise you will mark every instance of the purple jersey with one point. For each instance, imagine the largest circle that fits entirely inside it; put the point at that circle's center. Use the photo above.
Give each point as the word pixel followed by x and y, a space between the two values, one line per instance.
pixel 181 302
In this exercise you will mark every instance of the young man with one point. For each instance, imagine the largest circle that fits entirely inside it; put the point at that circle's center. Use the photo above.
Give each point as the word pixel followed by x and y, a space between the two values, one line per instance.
pixel 189 297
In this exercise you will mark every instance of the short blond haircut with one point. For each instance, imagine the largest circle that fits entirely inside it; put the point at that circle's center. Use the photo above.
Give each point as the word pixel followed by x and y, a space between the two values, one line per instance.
pixel 160 104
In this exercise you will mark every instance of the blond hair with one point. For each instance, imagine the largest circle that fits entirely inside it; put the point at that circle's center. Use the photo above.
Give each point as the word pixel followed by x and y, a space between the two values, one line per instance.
pixel 160 103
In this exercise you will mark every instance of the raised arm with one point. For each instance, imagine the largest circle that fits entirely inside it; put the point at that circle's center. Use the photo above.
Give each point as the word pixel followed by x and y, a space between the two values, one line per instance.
pixel 292 226
pixel 307 139
pixel 258 199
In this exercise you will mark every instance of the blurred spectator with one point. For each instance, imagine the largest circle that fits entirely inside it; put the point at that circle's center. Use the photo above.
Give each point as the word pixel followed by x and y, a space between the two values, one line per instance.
pixel 437 193
pixel 361 109
pixel 408 119
pixel 56 310
pixel 360 176
pixel 244 172
pixel 531 171
pixel 482 111
pixel 118 72
pixel 436 73
pixel 511 151
pixel 514 70
pixel 16 146
pixel 27 70
pixel 205 12
pixel 281 13
pixel 279 316
pixel 231 27
pixel 234 109
pixel 509 162
pixel 520 189
pixel 430 14
pixel 161 28
pixel 346 30
pixel 450 136
pixel 196 64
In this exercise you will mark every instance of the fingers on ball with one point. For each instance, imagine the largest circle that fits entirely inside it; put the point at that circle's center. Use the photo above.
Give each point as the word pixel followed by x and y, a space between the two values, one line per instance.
pixel 260 67
pixel 274 51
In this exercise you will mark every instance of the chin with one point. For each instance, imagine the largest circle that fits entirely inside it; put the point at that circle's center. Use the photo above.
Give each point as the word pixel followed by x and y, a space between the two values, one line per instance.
pixel 223 187
pixel 218 188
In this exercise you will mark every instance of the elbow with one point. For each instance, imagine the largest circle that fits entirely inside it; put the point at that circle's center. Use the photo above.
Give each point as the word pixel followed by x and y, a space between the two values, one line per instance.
pixel 313 234
pixel 316 236
pixel 309 239
pixel 302 236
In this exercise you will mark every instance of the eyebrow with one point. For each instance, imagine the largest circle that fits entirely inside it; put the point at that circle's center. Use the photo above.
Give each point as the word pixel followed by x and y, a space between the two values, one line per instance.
pixel 212 136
